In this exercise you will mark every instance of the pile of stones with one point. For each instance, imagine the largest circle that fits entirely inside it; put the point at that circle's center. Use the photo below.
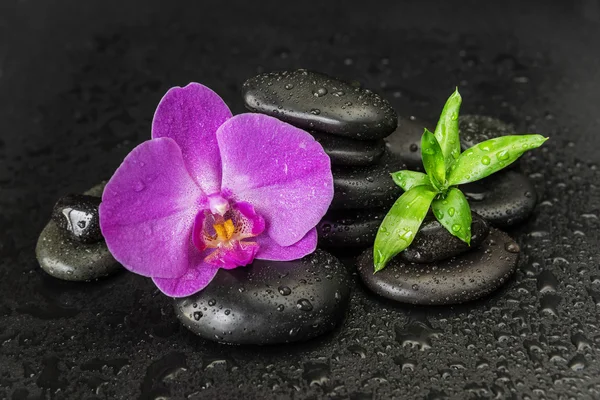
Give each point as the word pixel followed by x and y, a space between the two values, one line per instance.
pixel 278 302
pixel 350 123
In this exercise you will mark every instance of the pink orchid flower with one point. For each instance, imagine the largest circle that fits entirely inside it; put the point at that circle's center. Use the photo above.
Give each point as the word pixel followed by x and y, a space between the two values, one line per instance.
pixel 212 190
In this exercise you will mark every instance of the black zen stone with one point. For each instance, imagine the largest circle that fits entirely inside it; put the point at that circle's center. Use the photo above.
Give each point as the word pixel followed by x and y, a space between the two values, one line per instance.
pixel 352 228
pixel 504 199
pixel 455 280
pixel 475 129
pixel 350 152
pixel 313 100
pixel 405 141
pixel 366 187
pixel 434 243
pixel 269 302
pixel 78 215
pixel 65 258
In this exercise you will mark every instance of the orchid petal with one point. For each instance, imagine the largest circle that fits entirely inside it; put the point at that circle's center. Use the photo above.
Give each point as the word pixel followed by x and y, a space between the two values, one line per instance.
pixel 194 280
pixel 238 254
pixel 148 210
pixel 270 250
pixel 191 116
pixel 279 169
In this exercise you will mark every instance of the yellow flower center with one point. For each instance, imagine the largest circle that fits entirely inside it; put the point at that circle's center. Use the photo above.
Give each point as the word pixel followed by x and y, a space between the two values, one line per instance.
pixel 225 230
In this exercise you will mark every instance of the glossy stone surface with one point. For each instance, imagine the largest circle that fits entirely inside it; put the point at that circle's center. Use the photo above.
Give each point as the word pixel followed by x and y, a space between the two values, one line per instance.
pixel 505 198
pixel 456 280
pixel 270 302
pixel 78 215
pixel 479 128
pixel 352 228
pixel 69 259
pixel 405 141
pixel 349 152
pixel 65 257
pixel 434 243
pixel 366 187
pixel 313 100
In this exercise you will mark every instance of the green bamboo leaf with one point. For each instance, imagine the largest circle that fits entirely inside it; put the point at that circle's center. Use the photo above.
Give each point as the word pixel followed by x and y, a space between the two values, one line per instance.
pixel 400 225
pixel 491 156
pixel 454 214
pixel 408 179
pixel 433 159
pixel 446 130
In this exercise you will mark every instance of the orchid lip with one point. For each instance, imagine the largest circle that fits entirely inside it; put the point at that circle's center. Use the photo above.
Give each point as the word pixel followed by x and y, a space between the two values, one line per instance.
pixel 226 238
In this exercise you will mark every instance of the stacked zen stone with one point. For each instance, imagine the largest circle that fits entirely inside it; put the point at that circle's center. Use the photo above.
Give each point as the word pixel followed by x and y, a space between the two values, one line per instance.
pixel 438 268
pixel 350 123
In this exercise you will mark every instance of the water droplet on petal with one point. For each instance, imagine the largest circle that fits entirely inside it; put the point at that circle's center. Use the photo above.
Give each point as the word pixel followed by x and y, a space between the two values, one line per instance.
pixel 139 186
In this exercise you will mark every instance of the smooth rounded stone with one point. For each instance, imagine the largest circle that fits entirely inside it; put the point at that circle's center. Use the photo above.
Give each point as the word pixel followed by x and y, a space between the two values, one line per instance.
pixel 65 258
pixel 269 302
pixel 456 280
pixel 352 228
pixel 504 199
pixel 312 100
pixel 68 259
pixel 366 187
pixel 405 141
pixel 475 129
pixel 434 243
pixel 78 215
pixel 349 152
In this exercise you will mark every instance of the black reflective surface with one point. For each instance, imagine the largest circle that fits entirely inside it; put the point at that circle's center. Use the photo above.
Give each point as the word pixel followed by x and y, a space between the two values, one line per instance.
pixel 79 82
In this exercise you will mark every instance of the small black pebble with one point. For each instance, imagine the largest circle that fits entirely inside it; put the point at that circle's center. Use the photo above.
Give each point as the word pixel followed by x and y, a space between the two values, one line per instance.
pixel 78 215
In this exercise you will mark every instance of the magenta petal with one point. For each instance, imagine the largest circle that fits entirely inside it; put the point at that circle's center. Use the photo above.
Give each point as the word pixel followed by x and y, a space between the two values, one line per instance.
pixel 279 169
pixel 270 250
pixel 237 254
pixel 193 281
pixel 148 210
pixel 191 116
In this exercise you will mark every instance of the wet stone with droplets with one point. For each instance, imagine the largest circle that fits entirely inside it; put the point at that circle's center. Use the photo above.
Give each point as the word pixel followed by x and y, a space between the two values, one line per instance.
pixel 313 100
pixel 456 280
pixel 349 152
pixel 78 215
pixel 405 141
pixel 366 187
pixel 269 302
pixel 504 199
pixel 64 256
pixel 474 129
pixel 433 242
pixel 352 228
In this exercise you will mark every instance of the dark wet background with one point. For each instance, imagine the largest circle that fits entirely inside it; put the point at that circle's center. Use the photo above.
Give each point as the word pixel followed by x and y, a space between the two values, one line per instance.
pixel 79 81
